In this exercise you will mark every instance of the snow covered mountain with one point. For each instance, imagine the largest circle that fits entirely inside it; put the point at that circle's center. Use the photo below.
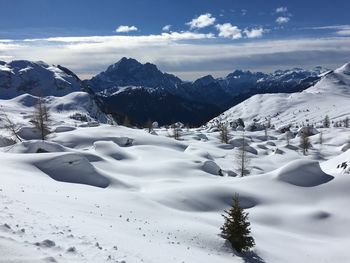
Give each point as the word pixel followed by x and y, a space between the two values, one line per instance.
pixel 128 78
pixel 36 78
pixel 130 72
pixel 328 96
pixel 142 92
pixel 139 91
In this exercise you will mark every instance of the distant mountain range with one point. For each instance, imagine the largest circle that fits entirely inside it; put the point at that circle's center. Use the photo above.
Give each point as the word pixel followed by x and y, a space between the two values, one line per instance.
pixel 142 92
pixel 330 96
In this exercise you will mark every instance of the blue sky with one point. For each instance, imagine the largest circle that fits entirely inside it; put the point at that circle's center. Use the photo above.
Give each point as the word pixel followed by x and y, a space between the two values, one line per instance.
pixel 189 38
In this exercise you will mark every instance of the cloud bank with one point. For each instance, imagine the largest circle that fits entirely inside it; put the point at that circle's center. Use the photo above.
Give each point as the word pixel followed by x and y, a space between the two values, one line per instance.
pixel 188 54
pixel 340 30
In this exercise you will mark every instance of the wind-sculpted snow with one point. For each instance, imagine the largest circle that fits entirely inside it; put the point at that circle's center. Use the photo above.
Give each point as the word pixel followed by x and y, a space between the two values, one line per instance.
pixel 114 194
pixel 211 168
pixel 72 168
pixel 303 173
pixel 101 192
pixel 203 198
pixel 111 149
pixel 37 146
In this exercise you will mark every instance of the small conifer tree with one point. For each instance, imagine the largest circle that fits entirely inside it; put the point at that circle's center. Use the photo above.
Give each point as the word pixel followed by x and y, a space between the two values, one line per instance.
pixel 305 143
pixel 288 137
pixel 265 132
pixel 326 122
pixel 149 126
pixel 224 133
pixel 242 158
pixel 236 228
pixel 176 133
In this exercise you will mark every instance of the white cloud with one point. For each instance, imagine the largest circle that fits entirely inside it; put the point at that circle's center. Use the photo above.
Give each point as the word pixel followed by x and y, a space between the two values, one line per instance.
pixel 282 20
pixel 229 31
pixel 126 29
pixel 186 35
pixel 174 36
pixel 166 27
pixel 254 32
pixel 330 27
pixel 282 9
pixel 190 58
pixel 202 21
pixel 343 32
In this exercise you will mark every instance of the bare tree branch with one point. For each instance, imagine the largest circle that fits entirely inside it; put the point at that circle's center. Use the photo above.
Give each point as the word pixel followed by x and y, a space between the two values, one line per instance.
pixel 11 126
pixel 41 118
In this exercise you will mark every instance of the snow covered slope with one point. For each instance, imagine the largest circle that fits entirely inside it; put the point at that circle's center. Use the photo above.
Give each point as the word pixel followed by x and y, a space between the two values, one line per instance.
pixel 36 78
pixel 114 194
pixel 76 108
pixel 329 96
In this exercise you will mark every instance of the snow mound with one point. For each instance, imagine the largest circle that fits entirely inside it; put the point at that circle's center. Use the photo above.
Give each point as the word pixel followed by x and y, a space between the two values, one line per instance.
pixel 37 147
pixel 4 141
pixel 198 152
pixel 211 168
pixel 345 147
pixel 72 168
pixel 277 151
pixel 271 143
pixel 200 136
pixel 238 142
pixel 111 149
pixel 304 173
pixel 124 141
pixel 64 128
pixel 26 100
pixel 29 133
pixel 307 130
pixel 338 165
pixel 205 199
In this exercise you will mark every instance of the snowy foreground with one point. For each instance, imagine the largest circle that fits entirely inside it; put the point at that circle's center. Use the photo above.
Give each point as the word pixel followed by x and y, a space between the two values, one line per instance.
pixel 114 194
